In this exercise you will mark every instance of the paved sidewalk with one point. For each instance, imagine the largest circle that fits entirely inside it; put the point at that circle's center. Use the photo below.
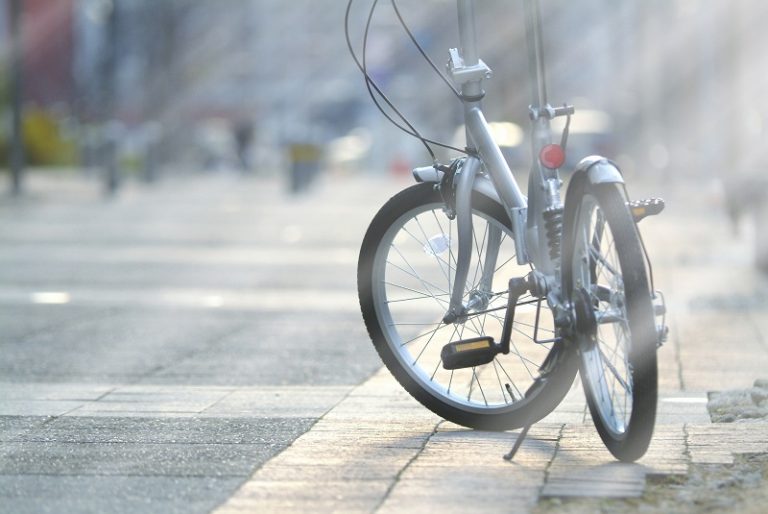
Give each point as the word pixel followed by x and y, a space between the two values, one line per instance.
pixel 154 358
pixel 378 450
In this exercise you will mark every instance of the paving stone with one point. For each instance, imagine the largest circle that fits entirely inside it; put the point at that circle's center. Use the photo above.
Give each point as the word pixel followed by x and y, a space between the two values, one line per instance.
pixel 717 443
pixel 296 401
pixel 108 349
pixel 602 488
pixel 168 400
pixel 33 494
pixel 33 392
pixel 37 458
pixel 37 408
pixel 502 493
pixel 679 408
pixel 459 467
pixel 361 448
pixel 582 467
pixel 14 427
pixel 667 453
pixel 295 496
pixel 154 430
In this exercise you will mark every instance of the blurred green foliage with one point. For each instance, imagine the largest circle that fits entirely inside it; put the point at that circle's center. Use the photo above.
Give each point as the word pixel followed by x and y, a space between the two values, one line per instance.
pixel 44 140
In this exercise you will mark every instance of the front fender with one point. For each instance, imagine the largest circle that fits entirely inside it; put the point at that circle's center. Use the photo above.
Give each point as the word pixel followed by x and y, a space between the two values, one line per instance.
pixel 482 183
pixel 599 170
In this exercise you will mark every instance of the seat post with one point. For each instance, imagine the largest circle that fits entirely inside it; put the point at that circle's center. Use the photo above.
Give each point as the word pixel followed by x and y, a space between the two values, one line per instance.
pixel 467 37
pixel 471 86
pixel 535 53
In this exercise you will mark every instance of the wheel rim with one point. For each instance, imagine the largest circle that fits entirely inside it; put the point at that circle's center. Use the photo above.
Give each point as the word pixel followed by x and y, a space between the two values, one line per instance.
pixel 605 351
pixel 417 259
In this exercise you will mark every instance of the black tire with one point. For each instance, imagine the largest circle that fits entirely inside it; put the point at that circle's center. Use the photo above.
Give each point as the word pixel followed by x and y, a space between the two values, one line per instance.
pixel 385 280
pixel 605 276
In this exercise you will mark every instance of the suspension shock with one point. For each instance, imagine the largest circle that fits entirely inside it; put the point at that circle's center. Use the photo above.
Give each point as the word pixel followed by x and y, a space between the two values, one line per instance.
pixel 553 223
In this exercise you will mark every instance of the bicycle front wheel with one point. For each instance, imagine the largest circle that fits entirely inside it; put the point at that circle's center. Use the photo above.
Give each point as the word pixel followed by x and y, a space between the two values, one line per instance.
pixel 605 278
pixel 405 277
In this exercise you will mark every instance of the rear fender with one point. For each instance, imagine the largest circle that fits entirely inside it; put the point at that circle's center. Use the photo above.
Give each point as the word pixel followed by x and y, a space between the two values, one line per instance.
pixel 599 170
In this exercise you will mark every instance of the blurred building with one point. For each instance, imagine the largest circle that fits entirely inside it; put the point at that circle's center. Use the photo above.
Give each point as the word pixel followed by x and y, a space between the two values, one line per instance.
pixel 49 44
pixel 681 81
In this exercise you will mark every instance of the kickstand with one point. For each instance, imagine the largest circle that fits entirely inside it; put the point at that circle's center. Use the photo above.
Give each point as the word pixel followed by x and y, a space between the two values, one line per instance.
pixel 518 442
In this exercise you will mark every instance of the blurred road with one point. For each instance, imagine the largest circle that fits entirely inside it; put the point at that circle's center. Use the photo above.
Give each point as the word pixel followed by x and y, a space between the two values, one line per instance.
pixel 197 346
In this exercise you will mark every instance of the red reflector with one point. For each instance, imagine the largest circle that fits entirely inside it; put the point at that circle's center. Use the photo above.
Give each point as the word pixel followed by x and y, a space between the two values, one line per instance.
pixel 552 156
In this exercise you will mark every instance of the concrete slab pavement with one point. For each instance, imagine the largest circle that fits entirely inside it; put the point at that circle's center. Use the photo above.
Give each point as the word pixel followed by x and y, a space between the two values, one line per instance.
pixel 162 381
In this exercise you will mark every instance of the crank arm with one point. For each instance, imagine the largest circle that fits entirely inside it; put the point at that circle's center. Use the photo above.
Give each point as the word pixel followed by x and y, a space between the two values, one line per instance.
pixel 477 351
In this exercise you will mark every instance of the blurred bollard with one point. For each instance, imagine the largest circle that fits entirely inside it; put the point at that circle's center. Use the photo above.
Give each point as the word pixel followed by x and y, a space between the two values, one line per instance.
pixel 243 132
pixel 90 146
pixel 151 137
pixel 304 161
pixel 109 150
pixel 150 163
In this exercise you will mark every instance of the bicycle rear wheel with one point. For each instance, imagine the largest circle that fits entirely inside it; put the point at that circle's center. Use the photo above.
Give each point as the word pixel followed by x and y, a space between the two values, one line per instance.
pixel 604 275
pixel 405 275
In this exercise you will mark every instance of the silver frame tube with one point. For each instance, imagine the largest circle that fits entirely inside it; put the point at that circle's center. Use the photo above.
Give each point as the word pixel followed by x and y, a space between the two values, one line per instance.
pixel 493 159
pixel 527 222
pixel 524 212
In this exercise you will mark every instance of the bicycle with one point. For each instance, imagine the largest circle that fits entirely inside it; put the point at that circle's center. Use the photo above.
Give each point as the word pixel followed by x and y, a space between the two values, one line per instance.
pixel 484 302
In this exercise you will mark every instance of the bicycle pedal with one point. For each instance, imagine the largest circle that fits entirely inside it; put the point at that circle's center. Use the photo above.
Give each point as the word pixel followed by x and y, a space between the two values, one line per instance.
pixel 643 208
pixel 469 353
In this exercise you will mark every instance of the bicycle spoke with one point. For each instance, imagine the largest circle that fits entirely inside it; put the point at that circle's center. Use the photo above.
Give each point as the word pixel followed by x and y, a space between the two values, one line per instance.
pixel 479 265
pixel 415 275
pixel 599 257
pixel 479 386
pixel 511 381
pixel 415 324
pixel 421 296
pixel 427 243
pixel 425 346
pixel 450 239
pixel 437 367
pixel 498 378
pixel 504 264
pixel 431 335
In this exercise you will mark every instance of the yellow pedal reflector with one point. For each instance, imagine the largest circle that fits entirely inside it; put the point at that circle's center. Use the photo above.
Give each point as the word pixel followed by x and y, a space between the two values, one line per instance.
pixel 463 347
pixel 469 353
pixel 643 208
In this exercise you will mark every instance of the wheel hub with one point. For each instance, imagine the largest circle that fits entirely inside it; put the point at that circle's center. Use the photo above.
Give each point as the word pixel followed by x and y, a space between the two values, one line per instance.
pixel 585 321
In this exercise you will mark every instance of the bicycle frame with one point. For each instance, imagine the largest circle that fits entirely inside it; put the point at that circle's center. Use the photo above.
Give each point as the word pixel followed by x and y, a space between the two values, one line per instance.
pixel 486 162
pixel 583 260
pixel 485 170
